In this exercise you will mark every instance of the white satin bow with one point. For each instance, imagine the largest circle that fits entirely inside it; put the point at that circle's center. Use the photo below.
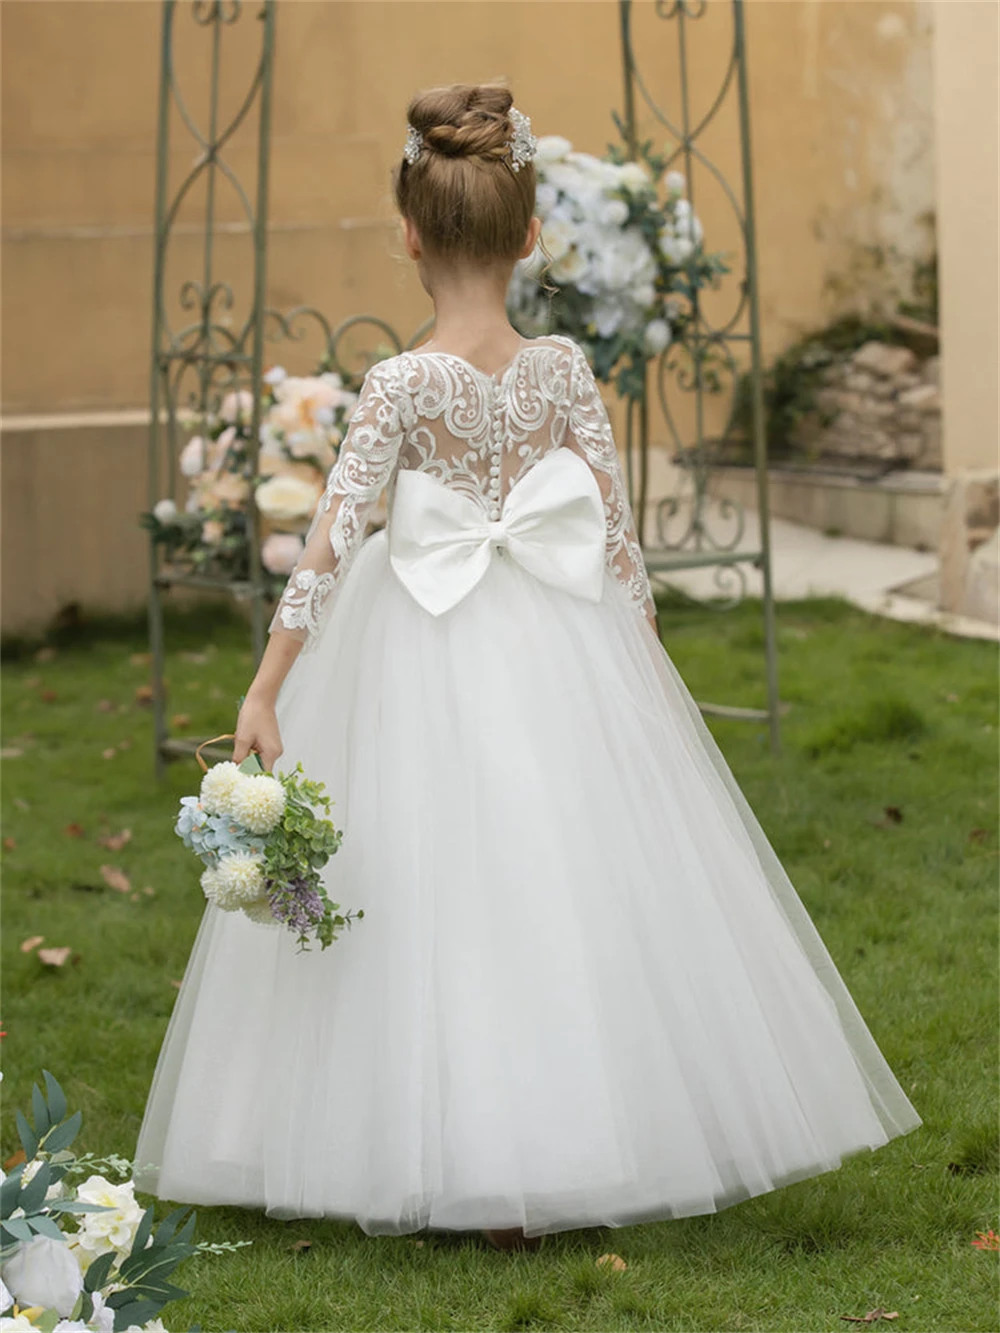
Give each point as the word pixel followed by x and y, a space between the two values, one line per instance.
pixel 552 523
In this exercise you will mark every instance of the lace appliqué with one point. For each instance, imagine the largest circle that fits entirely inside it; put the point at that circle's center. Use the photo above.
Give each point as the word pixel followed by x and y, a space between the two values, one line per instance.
pixel 590 428
pixel 367 458
pixel 303 601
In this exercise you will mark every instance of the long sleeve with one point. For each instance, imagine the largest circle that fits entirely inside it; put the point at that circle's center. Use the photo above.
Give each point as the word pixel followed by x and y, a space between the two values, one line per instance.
pixel 365 462
pixel 589 433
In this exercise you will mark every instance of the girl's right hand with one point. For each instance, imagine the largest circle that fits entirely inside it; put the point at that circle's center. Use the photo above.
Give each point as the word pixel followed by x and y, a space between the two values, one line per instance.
pixel 257 729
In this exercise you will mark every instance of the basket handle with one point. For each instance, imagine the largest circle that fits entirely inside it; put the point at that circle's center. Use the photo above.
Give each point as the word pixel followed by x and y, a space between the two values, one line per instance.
pixel 227 736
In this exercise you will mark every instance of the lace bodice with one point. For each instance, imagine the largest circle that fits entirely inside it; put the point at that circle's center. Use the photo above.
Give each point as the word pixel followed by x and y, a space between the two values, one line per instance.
pixel 478 434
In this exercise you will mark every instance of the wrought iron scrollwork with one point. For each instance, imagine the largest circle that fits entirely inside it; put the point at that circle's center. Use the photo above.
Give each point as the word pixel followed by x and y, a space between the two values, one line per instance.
pixel 696 528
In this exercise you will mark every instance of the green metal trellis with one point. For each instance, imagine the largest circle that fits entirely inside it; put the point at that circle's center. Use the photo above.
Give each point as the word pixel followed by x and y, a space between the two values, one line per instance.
pixel 704 348
pixel 194 365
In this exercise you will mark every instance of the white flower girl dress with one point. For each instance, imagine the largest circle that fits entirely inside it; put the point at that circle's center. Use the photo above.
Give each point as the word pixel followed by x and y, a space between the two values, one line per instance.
pixel 584 991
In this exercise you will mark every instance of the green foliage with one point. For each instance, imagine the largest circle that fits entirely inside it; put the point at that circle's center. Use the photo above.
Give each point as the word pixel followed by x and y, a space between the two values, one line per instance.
pixel 140 1280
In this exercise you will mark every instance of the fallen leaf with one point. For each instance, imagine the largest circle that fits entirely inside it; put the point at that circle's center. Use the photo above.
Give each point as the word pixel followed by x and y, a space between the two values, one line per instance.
pixel 826 843
pixel 986 1240
pixel 74 830
pixel 180 721
pixel 21 803
pixel 10 752
pixel 951 698
pixel 871 1317
pixel 32 682
pixel 116 879
pixel 45 654
pixel 149 891
pixel 48 696
pixel 141 659
pixel 176 985
pixel 109 753
pixel 55 957
pixel 9 844
pixel 613 1261
pixel 104 706
pixel 116 841
pixel 134 898
pixel 978 835
pixel 144 694
pixel 15 1159
pixel 126 744
pixel 301 1246
pixel 198 659
pixel 32 942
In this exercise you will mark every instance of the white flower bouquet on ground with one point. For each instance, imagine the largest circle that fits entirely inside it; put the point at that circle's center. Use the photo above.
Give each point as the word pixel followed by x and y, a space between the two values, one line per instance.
pixel 263 846
pixel 111 1269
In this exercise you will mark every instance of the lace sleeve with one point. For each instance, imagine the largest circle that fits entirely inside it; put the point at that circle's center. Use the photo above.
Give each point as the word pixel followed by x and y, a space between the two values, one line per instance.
pixel 588 433
pixel 365 463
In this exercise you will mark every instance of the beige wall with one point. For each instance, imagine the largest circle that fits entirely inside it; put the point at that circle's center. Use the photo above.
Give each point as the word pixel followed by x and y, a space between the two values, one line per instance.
pixel 841 112
pixel 966 100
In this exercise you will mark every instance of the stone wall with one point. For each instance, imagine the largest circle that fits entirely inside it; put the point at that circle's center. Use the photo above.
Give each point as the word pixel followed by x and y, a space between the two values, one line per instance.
pixel 882 404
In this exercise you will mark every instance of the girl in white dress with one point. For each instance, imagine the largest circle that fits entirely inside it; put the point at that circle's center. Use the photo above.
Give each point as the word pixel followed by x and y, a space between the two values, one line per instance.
pixel 584 991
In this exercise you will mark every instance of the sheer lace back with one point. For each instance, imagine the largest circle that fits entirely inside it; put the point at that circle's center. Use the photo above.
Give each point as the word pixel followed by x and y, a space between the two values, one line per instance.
pixel 476 433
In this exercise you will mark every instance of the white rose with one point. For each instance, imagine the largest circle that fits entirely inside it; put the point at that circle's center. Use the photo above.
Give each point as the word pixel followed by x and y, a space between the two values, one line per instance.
pixel 237 406
pixel 288 499
pixel 557 237
pixel 42 1271
pixel 607 318
pixel 112 1229
pixel 657 336
pixel 570 267
pixel 193 457
pixel 165 511
pixel 280 552
pixel 6 1299
pixel 551 148
pixel 634 177
pixel 675 182
pixel 18 1323
pixel 275 375
pixel 219 786
pixel 259 803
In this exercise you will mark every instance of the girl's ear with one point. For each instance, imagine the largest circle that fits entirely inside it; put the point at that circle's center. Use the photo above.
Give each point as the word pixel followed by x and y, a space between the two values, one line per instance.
pixel 411 239
pixel 534 231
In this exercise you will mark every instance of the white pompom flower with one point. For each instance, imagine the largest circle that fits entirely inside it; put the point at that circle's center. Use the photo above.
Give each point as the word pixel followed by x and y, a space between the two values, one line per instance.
pixel 219 787
pixel 259 910
pixel 258 803
pixel 238 880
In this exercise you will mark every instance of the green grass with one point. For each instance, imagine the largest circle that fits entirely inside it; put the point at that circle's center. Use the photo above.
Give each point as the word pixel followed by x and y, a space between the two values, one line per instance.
pixel 881 716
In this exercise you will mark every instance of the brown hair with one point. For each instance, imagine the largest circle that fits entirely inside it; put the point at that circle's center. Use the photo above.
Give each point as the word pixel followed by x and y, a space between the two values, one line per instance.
pixel 462 194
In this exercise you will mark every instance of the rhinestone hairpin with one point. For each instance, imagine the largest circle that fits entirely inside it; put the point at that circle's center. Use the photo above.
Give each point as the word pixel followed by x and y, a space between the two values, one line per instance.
pixel 522 143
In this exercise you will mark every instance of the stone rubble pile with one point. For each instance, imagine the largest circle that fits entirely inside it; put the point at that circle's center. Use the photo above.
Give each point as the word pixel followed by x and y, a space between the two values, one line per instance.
pixel 885 404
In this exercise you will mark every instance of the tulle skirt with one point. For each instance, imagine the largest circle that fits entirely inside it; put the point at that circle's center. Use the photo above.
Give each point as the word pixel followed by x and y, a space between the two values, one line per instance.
pixel 584 991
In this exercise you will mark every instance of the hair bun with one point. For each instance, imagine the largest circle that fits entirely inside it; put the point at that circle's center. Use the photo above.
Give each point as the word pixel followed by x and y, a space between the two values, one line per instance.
pixel 465 120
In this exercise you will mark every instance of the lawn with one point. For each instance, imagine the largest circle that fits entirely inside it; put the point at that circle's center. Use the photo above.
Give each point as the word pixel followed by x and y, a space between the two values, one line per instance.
pixel 883 807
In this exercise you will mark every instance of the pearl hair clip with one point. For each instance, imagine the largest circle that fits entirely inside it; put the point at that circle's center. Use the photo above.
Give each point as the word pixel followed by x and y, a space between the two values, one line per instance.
pixel 522 143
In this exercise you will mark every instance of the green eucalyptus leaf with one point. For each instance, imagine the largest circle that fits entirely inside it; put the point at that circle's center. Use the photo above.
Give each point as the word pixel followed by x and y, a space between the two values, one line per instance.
pixel 56 1096
pixel 63 1135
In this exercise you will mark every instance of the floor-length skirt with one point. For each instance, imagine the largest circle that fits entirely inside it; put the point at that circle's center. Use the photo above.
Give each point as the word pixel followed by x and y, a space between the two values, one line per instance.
pixel 584 991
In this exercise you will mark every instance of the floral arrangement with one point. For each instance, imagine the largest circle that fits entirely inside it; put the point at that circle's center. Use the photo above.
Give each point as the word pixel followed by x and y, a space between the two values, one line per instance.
pixel 110 1270
pixel 263 847
pixel 625 253
pixel 303 419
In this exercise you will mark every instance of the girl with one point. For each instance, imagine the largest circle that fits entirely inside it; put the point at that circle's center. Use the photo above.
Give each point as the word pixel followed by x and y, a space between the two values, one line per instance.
pixel 584 992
